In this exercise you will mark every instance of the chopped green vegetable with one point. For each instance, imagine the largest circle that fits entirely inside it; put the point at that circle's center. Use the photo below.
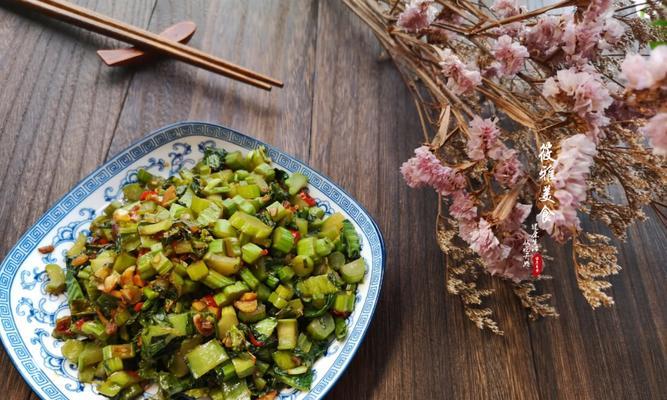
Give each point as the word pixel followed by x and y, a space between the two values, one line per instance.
pixel 205 357
pixel 296 182
pixel 218 282
pixel 56 276
pixel 351 240
pixel 283 240
pixel 320 328
pixel 354 271
pixel 287 334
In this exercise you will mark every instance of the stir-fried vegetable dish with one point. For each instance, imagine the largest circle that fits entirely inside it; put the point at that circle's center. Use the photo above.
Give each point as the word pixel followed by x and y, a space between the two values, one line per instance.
pixel 225 281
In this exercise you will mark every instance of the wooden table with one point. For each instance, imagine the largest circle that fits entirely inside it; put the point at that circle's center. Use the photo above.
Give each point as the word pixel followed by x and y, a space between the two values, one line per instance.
pixel 346 113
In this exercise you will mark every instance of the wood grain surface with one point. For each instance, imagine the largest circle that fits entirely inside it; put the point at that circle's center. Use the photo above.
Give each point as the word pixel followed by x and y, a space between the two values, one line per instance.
pixel 345 112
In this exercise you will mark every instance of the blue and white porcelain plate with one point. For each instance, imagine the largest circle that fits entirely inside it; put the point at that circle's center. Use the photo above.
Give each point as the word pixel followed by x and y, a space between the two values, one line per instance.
pixel 28 313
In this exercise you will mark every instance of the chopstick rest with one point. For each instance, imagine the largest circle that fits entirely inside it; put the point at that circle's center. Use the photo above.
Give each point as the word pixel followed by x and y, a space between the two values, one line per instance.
pixel 180 32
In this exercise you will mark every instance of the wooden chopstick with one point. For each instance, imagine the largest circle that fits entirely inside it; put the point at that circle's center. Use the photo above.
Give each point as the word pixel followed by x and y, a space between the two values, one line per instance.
pixel 145 42
pixel 150 35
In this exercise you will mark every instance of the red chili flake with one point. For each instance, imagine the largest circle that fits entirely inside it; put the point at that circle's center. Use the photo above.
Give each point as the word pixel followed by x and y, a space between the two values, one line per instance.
pixel 63 325
pixel 209 300
pixel 254 341
pixel 265 252
pixel 80 323
pixel 137 307
pixel 143 251
pixel 134 374
pixel 296 235
pixel 538 265
pixel 101 241
pixel 146 195
pixel 307 198
pixel 46 249
pixel 340 314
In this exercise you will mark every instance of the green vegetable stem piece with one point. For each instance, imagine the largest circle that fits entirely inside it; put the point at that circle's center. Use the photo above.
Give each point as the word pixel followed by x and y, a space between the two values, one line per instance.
pixel 354 271
pixel 205 357
pixel 320 328
pixel 296 182
pixel 283 240
pixel 287 334
pixel 56 276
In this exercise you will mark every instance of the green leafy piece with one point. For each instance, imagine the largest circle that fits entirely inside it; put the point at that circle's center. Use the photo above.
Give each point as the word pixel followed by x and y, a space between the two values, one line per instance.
pixel 75 299
pixel 351 240
pixel 214 158
pixel 300 382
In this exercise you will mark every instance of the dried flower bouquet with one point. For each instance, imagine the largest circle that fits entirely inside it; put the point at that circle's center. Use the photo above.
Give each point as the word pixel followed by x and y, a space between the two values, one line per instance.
pixel 535 115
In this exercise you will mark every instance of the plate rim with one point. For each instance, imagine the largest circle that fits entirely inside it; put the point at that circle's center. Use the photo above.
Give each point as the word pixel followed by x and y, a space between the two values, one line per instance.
pixel 156 132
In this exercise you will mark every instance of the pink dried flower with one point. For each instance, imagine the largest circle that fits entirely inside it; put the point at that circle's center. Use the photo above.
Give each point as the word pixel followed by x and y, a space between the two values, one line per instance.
pixel 642 73
pixel 581 41
pixel 506 8
pixel 516 217
pixel 463 206
pixel 510 55
pixel 596 9
pixel 571 168
pixel 573 164
pixel 612 32
pixel 485 243
pixel 544 38
pixel 583 92
pixel 509 170
pixel 564 219
pixel 419 14
pixel 569 35
pixel 462 79
pixel 656 132
pixel 466 228
pixel 512 267
pixel 424 169
pixel 586 39
pixel 483 139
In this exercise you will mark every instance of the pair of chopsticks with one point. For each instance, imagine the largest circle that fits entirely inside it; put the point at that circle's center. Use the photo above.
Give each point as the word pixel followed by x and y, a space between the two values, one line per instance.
pixel 146 40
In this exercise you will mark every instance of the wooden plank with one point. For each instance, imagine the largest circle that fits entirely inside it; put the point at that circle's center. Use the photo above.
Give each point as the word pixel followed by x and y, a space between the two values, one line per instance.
pixel 274 38
pixel 58 109
pixel 420 345
pixel 56 96
pixel 615 353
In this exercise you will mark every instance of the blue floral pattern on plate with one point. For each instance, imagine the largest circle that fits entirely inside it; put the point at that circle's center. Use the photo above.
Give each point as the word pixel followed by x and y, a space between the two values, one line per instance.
pixel 28 313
